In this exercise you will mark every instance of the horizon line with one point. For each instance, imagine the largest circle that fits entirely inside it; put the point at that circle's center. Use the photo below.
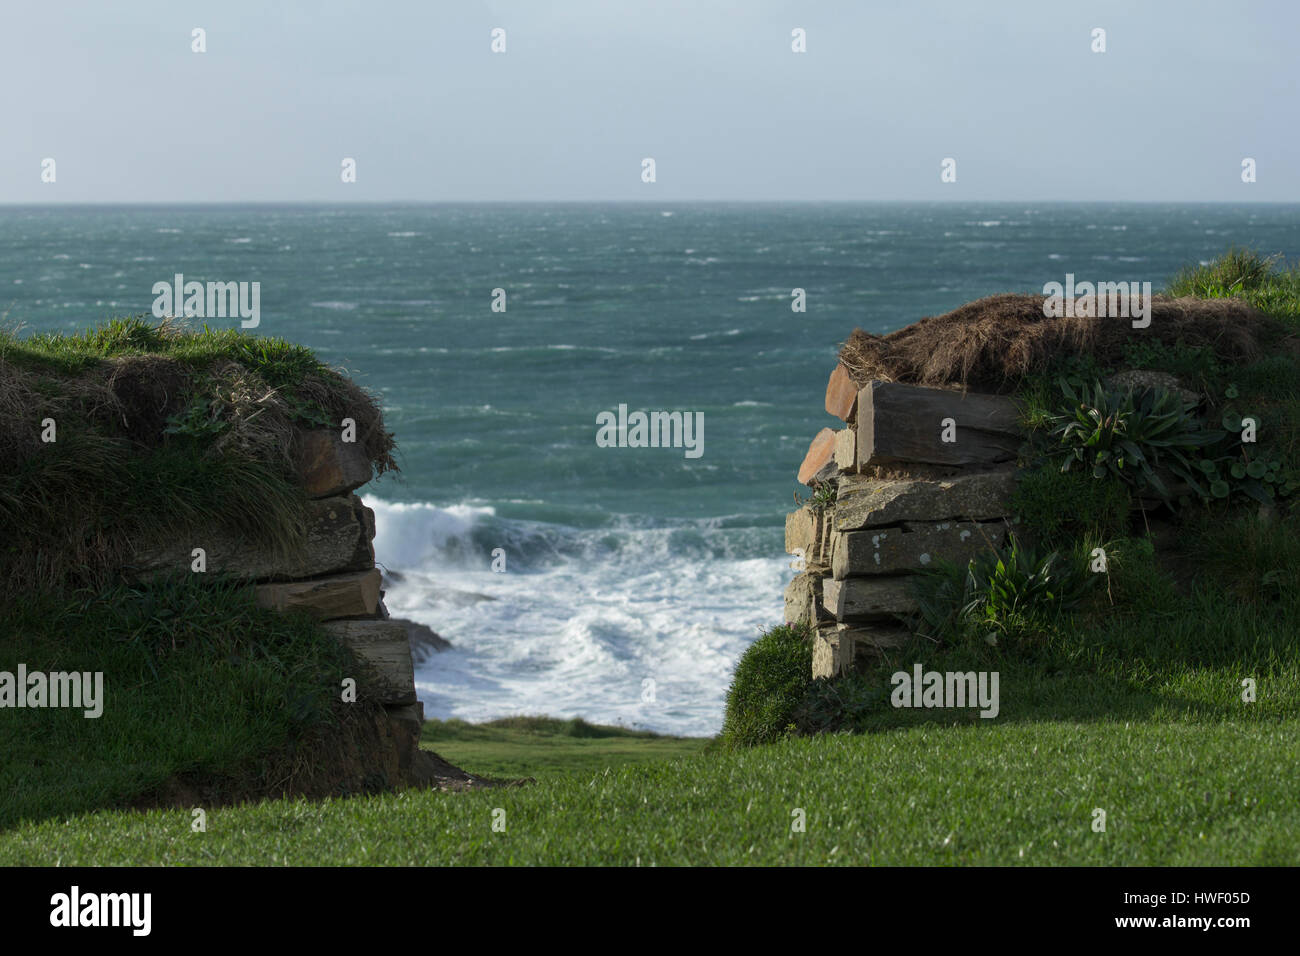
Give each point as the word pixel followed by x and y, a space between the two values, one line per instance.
pixel 636 202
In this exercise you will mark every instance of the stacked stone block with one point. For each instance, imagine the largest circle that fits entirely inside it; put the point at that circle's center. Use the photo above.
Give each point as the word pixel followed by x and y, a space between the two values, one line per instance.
pixel 914 475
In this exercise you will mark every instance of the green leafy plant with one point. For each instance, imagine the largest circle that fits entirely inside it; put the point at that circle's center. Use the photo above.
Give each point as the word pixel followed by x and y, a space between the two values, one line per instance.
pixel 1234 467
pixel 200 418
pixel 1038 397
pixel 1009 592
pixel 308 412
pixel 1129 435
pixel 1235 272
pixel 823 497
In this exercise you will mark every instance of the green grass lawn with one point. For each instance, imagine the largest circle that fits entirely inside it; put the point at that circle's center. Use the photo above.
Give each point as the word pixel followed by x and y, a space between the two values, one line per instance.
pixel 1191 791
pixel 1148 724
pixel 515 748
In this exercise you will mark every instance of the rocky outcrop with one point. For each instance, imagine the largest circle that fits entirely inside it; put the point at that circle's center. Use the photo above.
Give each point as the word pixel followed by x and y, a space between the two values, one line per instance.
pixel 916 475
pixel 424 640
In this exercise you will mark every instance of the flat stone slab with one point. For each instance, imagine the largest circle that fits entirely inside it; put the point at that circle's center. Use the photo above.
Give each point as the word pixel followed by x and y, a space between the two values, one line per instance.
pixel 338 595
pixel 868 599
pixel 913 547
pixel 383 646
pixel 407 723
pixel 872 503
pixel 935 426
pixel 338 533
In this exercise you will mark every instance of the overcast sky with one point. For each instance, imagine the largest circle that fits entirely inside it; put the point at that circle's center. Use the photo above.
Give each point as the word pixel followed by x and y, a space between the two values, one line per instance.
pixel 588 88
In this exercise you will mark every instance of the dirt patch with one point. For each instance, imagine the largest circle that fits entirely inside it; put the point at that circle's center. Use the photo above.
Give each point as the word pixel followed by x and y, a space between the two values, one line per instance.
pixel 992 343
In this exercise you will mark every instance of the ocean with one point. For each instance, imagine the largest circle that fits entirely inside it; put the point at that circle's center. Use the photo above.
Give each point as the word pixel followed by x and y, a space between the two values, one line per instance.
pixel 633 578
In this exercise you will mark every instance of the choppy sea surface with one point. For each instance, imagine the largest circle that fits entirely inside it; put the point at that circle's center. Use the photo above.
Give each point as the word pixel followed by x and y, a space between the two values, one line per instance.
pixel 623 566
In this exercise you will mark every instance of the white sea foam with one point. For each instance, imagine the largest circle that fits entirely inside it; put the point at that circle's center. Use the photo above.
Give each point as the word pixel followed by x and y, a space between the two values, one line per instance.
pixel 580 619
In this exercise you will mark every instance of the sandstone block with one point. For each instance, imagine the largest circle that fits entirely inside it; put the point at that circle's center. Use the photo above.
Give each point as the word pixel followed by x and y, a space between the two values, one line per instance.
pixel 868 599
pixel 820 556
pixel 334 596
pixel 334 541
pixel 406 722
pixel 365 553
pixel 808 532
pixel 905 423
pixel 869 502
pixel 912 546
pixel 386 651
pixel 327 465
pixel 366 516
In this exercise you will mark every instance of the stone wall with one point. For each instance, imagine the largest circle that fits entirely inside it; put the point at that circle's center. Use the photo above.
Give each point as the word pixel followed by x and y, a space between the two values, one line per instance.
pixel 910 476
pixel 331 576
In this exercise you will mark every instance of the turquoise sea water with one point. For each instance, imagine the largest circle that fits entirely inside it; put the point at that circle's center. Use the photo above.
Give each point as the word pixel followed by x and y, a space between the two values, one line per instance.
pixel 623 565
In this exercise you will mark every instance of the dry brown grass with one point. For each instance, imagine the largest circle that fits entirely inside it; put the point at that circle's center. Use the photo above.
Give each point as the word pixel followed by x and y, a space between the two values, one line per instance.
pixel 992 343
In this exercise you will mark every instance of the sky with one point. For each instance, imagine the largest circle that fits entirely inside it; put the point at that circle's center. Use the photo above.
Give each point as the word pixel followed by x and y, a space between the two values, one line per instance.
pixel 587 89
